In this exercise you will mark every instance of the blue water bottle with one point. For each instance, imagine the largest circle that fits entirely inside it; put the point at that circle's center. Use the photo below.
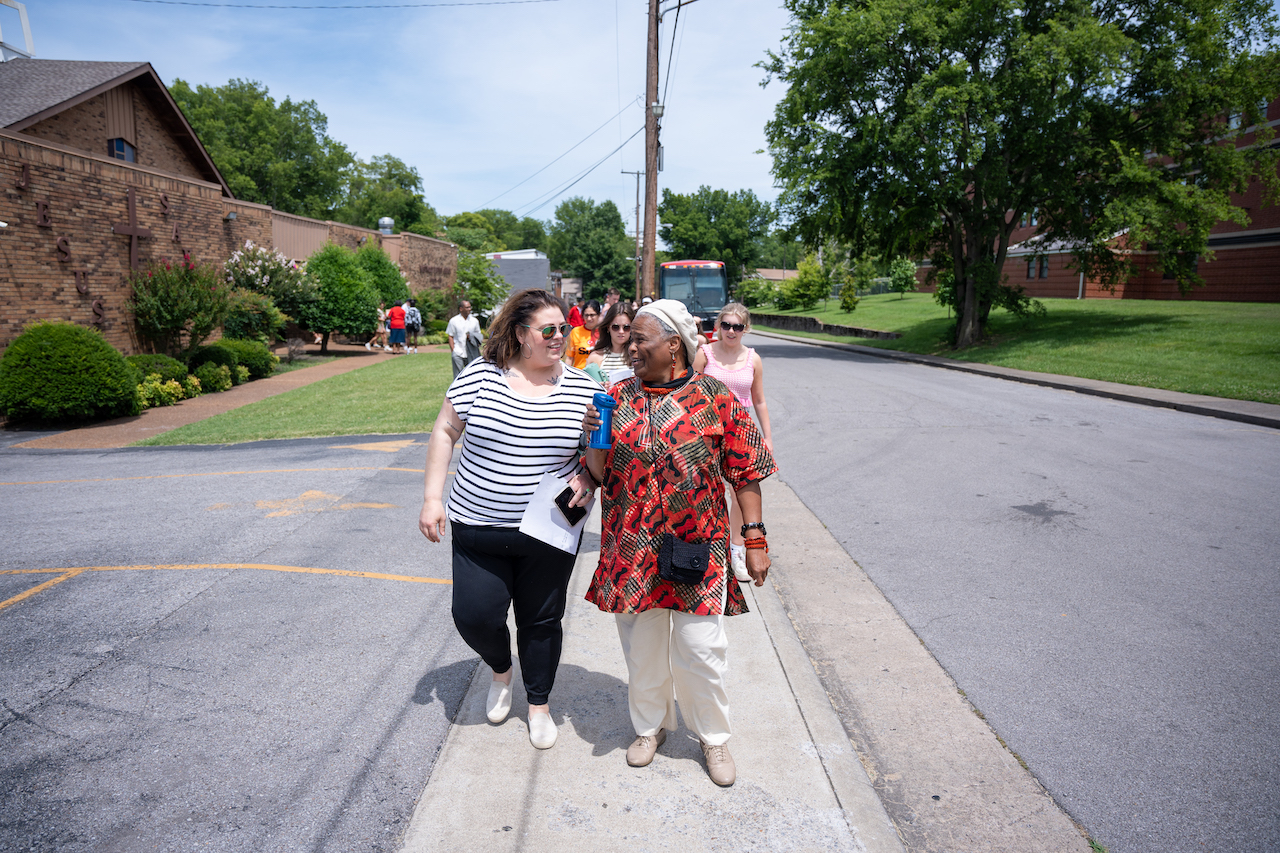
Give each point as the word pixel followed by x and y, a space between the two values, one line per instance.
pixel 602 436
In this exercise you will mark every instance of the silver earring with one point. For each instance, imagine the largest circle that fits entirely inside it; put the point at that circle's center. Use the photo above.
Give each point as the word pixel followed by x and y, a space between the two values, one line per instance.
pixel 523 354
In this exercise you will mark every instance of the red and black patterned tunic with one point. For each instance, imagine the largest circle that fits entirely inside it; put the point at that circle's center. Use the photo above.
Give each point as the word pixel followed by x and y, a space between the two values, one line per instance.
pixel 672 452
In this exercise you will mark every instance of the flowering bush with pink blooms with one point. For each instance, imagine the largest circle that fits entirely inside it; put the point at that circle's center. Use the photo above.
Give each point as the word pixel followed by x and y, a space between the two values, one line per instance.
pixel 262 270
pixel 178 304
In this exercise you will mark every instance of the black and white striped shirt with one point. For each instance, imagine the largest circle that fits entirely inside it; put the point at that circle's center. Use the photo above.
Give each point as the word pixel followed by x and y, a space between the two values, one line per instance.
pixel 511 440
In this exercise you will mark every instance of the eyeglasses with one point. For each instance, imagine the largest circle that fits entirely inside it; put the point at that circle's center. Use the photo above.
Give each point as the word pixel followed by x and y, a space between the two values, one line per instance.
pixel 615 327
pixel 732 327
pixel 549 332
pixel 586 314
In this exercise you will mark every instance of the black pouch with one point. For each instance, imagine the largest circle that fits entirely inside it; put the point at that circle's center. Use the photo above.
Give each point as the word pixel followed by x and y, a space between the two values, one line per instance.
pixel 683 562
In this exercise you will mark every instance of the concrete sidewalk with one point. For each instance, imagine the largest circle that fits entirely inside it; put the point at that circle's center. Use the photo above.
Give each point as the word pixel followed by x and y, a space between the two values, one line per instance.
pixel 800 785
pixel 1244 411
pixel 801 778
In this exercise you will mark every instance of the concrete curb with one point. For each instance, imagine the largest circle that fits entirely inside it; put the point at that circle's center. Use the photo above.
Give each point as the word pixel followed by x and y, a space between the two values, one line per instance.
pixel 1244 411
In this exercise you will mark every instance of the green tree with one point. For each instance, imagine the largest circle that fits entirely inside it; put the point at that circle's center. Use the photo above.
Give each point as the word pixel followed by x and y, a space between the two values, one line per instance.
pixel 474 232
pixel 383 274
pixel 178 304
pixel 716 225
pixel 478 281
pixel 812 285
pixel 902 276
pixel 778 250
pixel 276 154
pixel 916 125
pixel 385 186
pixel 513 233
pixel 348 299
pixel 590 242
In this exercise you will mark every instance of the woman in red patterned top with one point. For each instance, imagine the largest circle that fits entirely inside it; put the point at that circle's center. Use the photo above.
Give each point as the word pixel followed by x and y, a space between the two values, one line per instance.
pixel 677 436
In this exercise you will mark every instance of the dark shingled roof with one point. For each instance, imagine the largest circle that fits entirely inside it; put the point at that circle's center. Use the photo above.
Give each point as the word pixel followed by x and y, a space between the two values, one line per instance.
pixel 30 86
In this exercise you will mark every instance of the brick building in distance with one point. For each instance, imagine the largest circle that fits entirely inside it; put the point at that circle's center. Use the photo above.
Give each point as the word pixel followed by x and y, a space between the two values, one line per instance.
pixel 1245 267
pixel 100 173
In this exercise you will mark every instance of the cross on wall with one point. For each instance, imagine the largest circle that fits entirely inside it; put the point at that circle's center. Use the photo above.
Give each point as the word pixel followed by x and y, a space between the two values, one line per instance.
pixel 133 230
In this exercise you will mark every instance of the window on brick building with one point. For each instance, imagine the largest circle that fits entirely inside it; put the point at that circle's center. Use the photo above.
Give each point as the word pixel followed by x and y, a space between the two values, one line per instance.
pixel 1044 267
pixel 1031 269
pixel 121 150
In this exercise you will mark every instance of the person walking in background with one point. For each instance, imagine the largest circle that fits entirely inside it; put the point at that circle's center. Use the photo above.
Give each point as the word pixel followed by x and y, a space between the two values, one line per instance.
pixel 379 338
pixel 740 368
pixel 610 352
pixel 611 298
pixel 464 337
pixel 519 413
pixel 395 328
pixel 664 562
pixel 412 324
pixel 583 338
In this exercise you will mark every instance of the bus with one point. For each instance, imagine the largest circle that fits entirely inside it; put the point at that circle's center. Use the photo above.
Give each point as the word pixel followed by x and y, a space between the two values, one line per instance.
pixel 702 286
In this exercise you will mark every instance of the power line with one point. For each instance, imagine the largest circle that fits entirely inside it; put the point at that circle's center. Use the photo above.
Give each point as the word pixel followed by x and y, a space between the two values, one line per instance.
pixel 559 192
pixel 671 54
pixel 558 159
pixel 352 6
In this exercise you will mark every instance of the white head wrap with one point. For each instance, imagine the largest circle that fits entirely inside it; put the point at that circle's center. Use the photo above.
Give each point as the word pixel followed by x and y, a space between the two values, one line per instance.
pixel 674 314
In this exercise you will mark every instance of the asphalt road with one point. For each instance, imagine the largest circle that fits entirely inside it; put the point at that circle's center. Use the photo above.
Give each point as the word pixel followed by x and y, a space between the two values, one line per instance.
pixel 1102 579
pixel 149 703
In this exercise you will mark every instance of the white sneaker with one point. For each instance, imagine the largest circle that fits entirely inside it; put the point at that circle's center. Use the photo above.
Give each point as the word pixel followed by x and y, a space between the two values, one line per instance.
pixel 738 557
pixel 369 348
pixel 542 730
pixel 499 703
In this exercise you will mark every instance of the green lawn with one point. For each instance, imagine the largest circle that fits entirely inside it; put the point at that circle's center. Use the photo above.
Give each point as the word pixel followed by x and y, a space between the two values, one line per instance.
pixel 395 397
pixel 1223 349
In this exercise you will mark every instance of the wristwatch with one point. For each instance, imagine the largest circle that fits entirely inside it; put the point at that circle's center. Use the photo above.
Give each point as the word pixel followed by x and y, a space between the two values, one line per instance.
pixel 755 525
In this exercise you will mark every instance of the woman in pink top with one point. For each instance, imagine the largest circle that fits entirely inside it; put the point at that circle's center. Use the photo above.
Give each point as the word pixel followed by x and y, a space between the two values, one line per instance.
pixel 741 369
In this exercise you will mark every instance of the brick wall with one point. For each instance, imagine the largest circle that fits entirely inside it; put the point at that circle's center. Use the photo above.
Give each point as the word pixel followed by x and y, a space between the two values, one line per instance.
pixel 429 264
pixel 84 127
pixel 349 236
pixel 59 258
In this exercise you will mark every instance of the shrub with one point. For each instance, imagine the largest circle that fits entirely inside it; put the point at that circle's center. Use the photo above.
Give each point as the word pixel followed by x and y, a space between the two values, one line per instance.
pixel 178 305
pixel 435 304
pixel 216 354
pixel 811 285
pixel 254 355
pixel 168 368
pixel 240 376
pixel 849 295
pixel 753 292
pixel 268 273
pixel 436 326
pixel 253 317
pixel 213 377
pixel 383 274
pixel 190 387
pixel 435 338
pixel 157 391
pixel 61 371
pixel 348 303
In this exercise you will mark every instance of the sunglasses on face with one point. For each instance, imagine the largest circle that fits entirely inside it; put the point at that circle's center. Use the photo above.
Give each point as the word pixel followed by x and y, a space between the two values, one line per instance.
pixel 732 327
pixel 589 315
pixel 615 327
pixel 549 332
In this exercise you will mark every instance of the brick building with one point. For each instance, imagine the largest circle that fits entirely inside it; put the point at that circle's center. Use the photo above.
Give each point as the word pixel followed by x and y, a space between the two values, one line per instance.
pixel 1245 267
pixel 100 172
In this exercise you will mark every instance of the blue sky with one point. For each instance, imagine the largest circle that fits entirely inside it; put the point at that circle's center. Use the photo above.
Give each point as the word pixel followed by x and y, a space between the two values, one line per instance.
pixel 478 98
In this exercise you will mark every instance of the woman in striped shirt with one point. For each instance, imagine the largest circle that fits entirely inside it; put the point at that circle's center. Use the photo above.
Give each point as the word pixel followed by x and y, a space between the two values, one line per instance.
pixel 519 414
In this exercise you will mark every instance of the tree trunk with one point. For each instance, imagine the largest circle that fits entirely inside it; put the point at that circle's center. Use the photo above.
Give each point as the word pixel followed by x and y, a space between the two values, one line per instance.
pixel 968 312
pixel 324 344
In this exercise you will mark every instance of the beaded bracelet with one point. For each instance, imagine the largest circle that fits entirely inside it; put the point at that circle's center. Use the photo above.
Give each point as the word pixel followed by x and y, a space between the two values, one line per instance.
pixel 757 544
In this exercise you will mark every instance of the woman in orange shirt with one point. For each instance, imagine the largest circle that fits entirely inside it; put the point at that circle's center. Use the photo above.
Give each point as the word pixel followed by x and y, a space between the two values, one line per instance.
pixel 583 338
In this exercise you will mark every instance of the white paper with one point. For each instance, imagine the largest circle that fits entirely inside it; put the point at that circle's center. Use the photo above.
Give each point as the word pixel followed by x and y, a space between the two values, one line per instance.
pixel 620 374
pixel 544 521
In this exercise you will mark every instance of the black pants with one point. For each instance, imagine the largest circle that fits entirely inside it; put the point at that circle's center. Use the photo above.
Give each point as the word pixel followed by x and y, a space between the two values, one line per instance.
pixel 495 567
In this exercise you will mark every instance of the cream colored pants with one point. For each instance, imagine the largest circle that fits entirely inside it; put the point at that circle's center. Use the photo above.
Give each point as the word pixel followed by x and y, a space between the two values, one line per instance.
pixel 674 655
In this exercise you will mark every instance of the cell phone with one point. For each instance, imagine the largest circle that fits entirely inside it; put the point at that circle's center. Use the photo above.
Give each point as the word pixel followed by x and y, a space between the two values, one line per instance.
pixel 572 514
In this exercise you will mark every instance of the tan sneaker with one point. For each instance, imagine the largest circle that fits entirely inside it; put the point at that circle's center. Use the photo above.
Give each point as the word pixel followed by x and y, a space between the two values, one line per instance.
pixel 720 766
pixel 640 753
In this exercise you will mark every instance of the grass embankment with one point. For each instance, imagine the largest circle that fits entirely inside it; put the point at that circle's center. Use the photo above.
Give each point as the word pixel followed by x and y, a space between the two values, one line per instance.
pixel 1223 349
pixel 395 397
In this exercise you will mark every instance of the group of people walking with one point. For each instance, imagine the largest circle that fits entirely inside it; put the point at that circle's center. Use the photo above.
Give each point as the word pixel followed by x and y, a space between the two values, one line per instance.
pixel 398 328
pixel 668 570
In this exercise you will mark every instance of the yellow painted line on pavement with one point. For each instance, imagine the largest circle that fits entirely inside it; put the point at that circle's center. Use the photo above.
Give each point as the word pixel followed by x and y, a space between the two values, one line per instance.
pixel 68 573
pixel 208 474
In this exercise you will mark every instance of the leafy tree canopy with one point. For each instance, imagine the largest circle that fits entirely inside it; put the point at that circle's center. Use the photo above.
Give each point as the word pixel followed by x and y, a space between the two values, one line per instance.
pixel 383 274
pixel 269 153
pixel 918 125
pixel 590 242
pixel 514 233
pixel 386 186
pixel 716 225
pixel 474 232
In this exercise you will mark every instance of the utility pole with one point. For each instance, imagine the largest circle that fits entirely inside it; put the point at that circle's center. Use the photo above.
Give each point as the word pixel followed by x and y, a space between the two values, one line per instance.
pixel 651 114
pixel 636 249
